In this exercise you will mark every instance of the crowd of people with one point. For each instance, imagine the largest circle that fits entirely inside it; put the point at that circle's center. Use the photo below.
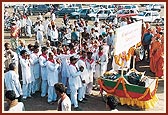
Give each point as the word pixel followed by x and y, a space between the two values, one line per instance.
pixel 75 55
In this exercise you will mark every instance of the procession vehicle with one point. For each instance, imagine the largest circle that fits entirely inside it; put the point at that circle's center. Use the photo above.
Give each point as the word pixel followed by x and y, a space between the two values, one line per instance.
pixel 131 87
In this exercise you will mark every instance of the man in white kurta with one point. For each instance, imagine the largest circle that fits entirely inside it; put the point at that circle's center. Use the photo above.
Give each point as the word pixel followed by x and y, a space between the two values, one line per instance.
pixel 26 74
pixel 74 81
pixel 43 62
pixel 12 81
pixel 52 77
pixel 90 65
pixel 54 36
pixel 101 63
pixel 106 48
pixel 35 68
pixel 39 30
pixel 28 27
pixel 46 23
pixel 87 26
pixel 84 76
pixel 64 68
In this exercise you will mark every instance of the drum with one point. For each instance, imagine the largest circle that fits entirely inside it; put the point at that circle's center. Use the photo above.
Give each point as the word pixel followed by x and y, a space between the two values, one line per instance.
pixel 139 52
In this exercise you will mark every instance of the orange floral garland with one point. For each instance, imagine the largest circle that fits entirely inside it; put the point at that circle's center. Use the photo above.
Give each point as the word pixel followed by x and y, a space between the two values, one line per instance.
pixel 119 60
pixel 127 56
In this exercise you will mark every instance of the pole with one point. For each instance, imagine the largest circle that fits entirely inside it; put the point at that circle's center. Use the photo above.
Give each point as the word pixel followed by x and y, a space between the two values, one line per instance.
pixel 133 62
pixel 122 70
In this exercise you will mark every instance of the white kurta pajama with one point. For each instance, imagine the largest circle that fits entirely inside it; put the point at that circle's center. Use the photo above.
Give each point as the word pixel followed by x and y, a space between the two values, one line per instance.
pixel 28 27
pixel 46 23
pixel 106 50
pixel 75 83
pixel 32 77
pixel 64 67
pixel 35 70
pixel 102 67
pixel 40 29
pixel 85 77
pixel 90 65
pixel 26 77
pixel 52 78
pixel 43 62
pixel 12 82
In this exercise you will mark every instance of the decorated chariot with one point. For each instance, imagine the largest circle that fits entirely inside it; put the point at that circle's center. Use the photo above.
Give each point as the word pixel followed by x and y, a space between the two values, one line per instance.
pixel 131 87
pixel 139 92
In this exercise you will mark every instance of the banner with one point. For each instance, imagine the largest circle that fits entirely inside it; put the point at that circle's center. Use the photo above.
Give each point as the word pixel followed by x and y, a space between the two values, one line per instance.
pixel 127 36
